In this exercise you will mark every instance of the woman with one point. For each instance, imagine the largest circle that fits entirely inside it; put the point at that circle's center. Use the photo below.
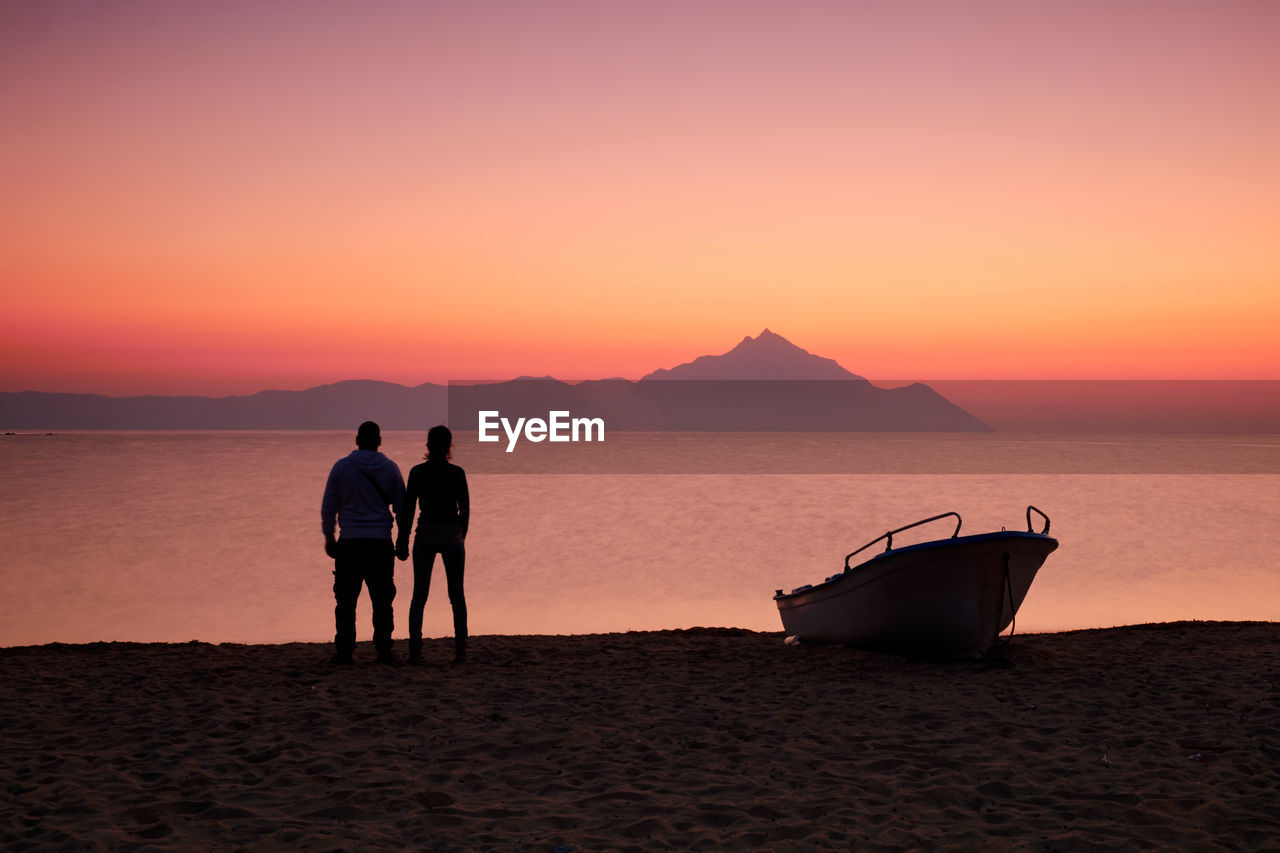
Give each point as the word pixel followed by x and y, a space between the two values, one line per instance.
pixel 439 488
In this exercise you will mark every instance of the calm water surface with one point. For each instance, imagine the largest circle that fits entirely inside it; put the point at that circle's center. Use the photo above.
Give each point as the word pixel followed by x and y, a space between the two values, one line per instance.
pixel 173 536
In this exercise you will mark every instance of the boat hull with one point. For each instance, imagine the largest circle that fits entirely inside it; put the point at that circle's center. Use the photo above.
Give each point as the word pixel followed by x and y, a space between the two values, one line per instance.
pixel 948 597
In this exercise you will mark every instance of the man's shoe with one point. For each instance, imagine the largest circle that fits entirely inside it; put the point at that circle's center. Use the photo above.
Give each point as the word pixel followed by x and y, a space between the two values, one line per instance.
pixel 459 658
pixel 339 659
pixel 389 659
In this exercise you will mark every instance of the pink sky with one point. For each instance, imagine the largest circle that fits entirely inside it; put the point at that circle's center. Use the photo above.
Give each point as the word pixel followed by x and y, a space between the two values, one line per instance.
pixel 224 197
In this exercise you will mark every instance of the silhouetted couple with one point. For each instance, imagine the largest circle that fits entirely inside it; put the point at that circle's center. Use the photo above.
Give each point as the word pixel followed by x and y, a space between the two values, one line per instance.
pixel 363 491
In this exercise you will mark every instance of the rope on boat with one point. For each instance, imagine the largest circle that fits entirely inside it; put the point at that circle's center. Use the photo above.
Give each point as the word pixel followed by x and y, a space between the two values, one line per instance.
pixel 1008 588
pixel 1013 613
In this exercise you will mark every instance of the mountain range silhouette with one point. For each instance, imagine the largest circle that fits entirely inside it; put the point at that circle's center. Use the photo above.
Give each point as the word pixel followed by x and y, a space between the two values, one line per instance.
pixel 763 383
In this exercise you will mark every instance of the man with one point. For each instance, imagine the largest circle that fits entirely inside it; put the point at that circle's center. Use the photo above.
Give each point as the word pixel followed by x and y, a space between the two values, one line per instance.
pixel 361 486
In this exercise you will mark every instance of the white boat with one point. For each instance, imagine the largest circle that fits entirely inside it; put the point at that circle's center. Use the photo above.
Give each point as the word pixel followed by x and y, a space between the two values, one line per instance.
pixel 948 597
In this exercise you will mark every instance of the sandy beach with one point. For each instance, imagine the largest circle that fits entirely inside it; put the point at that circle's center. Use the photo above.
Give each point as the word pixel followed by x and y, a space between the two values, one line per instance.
pixel 1154 736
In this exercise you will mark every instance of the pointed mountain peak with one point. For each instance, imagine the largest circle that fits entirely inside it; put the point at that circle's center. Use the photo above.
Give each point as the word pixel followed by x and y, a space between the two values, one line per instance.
pixel 768 340
pixel 766 356
pixel 765 335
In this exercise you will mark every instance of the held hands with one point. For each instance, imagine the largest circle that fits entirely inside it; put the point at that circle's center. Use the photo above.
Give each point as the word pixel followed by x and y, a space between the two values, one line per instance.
pixel 402 551
pixel 331 549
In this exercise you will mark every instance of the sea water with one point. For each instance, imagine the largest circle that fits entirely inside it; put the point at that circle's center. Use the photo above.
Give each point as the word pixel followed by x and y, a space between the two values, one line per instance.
pixel 215 536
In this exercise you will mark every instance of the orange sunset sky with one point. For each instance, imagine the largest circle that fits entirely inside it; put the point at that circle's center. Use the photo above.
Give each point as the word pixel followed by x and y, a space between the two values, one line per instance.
pixel 221 197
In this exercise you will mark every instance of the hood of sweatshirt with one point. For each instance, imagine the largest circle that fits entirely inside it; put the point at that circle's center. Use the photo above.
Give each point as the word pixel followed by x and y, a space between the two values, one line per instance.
pixel 369 460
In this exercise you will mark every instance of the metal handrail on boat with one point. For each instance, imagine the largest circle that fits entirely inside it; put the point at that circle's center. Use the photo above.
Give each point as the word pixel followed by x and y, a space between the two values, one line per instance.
pixel 1039 512
pixel 889 545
